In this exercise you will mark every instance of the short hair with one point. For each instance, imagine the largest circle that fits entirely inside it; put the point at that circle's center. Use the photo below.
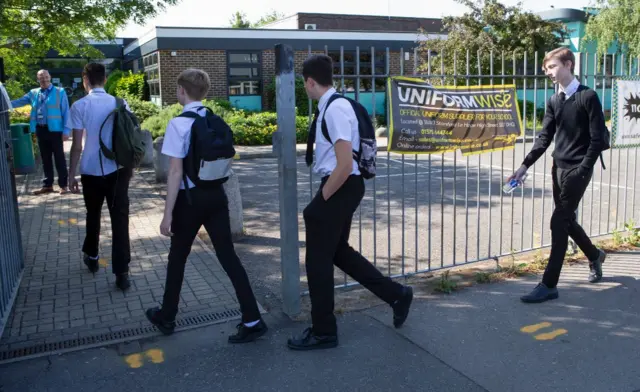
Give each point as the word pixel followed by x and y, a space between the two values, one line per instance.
pixel 319 67
pixel 563 54
pixel 96 73
pixel 195 82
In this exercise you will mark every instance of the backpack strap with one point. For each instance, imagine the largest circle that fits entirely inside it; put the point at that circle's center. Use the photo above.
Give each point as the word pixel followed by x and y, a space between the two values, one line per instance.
pixel 194 116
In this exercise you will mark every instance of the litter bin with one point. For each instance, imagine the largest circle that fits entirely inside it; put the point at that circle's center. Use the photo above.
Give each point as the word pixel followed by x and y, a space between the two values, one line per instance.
pixel 23 158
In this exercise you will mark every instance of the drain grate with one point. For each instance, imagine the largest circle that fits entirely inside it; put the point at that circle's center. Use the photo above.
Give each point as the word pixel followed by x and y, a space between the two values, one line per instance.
pixel 112 337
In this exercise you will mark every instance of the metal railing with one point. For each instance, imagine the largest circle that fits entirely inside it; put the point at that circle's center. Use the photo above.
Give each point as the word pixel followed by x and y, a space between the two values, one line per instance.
pixel 11 253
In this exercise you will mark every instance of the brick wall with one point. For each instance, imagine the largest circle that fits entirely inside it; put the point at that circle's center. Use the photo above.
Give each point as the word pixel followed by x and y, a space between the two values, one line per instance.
pixel 214 62
pixel 369 23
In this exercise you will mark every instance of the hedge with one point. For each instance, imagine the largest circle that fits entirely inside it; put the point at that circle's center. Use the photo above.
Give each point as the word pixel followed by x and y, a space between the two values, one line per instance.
pixel 249 129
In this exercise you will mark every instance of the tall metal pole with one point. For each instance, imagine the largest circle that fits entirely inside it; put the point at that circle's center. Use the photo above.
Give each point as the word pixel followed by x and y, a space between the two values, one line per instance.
pixel 287 178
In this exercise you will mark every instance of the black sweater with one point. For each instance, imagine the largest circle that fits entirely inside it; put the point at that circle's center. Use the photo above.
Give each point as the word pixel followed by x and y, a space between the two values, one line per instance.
pixel 578 131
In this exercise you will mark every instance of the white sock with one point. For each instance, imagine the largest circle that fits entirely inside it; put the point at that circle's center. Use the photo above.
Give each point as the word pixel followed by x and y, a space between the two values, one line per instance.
pixel 94 258
pixel 251 324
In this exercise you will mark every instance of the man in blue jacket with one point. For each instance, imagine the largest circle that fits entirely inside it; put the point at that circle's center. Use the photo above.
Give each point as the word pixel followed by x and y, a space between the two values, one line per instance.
pixel 49 113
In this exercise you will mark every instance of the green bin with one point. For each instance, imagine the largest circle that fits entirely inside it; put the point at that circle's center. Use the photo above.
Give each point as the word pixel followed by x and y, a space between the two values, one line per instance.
pixel 23 158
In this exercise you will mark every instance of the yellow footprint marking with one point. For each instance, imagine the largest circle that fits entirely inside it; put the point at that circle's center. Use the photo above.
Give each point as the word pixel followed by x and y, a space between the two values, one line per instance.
pixel 551 335
pixel 155 355
pixel 61 222
pixel 134 361
pixel 103 262
pixel 535 327
pixel 73 221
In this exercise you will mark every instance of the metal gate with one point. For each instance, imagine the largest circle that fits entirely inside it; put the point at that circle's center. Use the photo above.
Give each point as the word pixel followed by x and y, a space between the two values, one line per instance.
pixel 427 212
pixel 11 256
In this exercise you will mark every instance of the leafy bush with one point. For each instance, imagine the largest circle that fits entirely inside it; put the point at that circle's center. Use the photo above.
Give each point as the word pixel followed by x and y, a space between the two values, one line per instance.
pixel 131 84
pixel 112 81
pixel 142 109
pixel 20 115
pixel 249 129
pixel 531 109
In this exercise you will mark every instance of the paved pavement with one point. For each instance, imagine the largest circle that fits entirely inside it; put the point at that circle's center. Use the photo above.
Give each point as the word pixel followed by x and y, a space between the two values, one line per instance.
pixel 478 339
pixel 60 300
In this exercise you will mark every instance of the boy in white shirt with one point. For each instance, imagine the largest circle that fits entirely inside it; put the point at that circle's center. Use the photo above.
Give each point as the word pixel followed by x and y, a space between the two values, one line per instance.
pixel 328 217
pixel 184 214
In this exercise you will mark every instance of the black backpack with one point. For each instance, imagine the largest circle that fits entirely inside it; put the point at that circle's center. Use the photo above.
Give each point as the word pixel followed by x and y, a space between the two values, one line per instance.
pixel 127 139
pixel 366 156
pixel 211 152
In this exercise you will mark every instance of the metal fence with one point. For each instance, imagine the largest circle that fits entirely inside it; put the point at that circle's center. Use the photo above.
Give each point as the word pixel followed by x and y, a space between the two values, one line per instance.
pixel 427 212
pixel 11 256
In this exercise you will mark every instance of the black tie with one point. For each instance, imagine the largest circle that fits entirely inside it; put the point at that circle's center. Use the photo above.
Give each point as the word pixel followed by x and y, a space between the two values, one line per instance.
pixel 312 138
pixel 562 96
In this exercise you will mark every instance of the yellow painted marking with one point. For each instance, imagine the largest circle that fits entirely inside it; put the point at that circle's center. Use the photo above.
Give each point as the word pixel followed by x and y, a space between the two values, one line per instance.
pixel 134 361
pixel 551 335
pixel 73 221
pixel 155 355
pixel 61 222
pixel 103 262
pixel 237 156
pixel 535 327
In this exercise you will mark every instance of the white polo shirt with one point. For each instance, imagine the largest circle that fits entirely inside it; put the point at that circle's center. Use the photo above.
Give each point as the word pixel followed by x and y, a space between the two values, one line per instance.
pixel 342 124
pixel 88 113
pixel 177 137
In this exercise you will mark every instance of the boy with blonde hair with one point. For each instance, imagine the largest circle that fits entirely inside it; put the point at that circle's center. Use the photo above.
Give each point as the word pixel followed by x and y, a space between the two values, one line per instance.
pixel 200 147
pixel 574 118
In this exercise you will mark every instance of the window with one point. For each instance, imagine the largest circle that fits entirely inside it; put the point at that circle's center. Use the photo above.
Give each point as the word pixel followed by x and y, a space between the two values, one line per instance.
pixel 243 73
pixel 350 66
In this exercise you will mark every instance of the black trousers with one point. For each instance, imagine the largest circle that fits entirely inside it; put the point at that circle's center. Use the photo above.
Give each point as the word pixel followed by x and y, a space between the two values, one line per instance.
pixel 210 207
pixel 328 224
pixel 52 147
pixel 568 188
pixel 113 187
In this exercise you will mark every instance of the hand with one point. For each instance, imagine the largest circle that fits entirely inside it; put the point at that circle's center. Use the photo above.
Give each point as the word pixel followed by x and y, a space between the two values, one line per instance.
pixel 165 226
pixel 519 174
pixel 73 185
pixel 65 138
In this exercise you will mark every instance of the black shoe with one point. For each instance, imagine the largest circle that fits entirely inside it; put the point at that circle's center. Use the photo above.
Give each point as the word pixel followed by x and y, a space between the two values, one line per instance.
pixel 92 264
pixel 122 281
pixel 248 334
pixel 155 316
pixel 401 307
pixel 540 294
pixel 310 341
pixel 595 267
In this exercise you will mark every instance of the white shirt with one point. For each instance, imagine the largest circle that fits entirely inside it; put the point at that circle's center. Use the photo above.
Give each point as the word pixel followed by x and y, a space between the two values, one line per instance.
pixel 342 124
pixel 88 113
pixel 177 136
pixel 571 88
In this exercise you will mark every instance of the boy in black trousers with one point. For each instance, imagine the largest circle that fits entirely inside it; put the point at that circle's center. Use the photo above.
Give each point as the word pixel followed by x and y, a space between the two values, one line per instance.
pixel 574 116
pixel 328 217
pixel 185 213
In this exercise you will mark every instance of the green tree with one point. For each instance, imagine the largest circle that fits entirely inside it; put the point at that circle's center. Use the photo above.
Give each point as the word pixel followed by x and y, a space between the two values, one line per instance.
pixel 65 26
pixel 239 21
pixel 489 26
pixel 268 18
pixel 615 21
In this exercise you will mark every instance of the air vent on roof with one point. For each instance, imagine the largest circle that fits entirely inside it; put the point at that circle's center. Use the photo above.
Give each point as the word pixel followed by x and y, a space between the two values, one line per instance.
pixel 310 26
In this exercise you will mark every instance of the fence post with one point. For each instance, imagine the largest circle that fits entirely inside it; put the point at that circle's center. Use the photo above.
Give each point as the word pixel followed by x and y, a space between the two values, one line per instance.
pixel 285 143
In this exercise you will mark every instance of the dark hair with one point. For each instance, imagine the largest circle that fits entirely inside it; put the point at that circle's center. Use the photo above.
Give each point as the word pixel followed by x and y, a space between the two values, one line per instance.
pixel 96 73
pixel 319 67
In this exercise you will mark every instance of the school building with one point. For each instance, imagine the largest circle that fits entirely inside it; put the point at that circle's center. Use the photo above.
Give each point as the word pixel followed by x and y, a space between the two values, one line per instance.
pixel 241 62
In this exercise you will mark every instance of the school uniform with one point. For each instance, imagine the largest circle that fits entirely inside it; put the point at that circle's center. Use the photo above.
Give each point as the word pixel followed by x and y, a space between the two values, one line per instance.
pixel 208 207
pixel 578 135
pixel 328 225
pixel 102 179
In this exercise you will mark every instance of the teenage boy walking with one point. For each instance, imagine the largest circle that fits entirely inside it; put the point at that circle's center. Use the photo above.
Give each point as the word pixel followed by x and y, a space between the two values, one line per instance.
pixel 328 217
pixel 574 116
pixel 101 177
pixel 185 214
